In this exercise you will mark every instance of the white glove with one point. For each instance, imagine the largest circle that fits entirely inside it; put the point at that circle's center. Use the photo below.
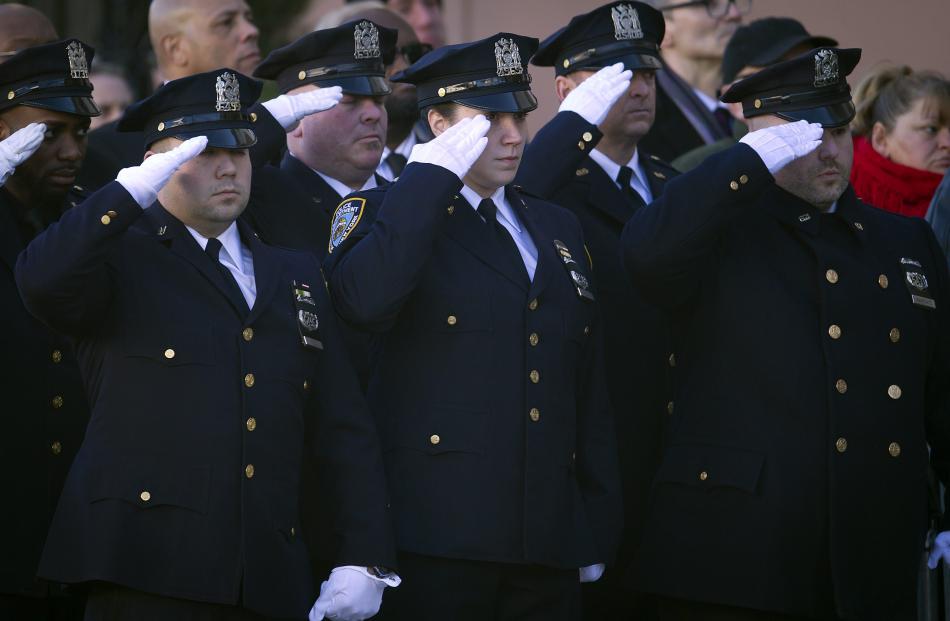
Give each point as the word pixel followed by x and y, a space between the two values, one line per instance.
pixel 350 594
pixel 594 97
pixel 289 109
pixel 457 148
pixel 940 549
pixel 145 181
pixel 592 573
pixel 19 146
pixel 780 144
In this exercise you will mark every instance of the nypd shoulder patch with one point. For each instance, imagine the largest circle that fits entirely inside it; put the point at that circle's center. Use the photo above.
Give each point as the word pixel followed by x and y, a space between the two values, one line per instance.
pixel 345 219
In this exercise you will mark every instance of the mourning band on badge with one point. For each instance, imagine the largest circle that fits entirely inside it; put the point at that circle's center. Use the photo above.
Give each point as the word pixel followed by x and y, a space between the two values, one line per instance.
pixel 574 271
pixel 308 323
pixel 345 219
pixel 917 284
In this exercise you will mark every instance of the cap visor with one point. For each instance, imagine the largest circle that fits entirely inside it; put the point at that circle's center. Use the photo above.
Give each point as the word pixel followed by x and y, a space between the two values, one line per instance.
pixel 633 62
pixel 229 138
pixel 83 106
pixel 832 115
pixel 508 101
pixel 369 85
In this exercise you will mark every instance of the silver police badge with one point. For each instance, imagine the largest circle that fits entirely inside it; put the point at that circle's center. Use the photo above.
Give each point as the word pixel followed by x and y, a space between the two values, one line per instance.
pixel 508 58
pixel 826 68
pixel 626 22
pixel 345 219
pixel 366 40
pixel 308 320
pixel 78 68
pixel 917 281
pixel 228 92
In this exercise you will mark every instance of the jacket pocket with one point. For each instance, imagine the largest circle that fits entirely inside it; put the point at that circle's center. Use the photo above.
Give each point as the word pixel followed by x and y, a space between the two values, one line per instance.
pixel 709 466
pixel 174 350
pixel 443 429
pixel 153 487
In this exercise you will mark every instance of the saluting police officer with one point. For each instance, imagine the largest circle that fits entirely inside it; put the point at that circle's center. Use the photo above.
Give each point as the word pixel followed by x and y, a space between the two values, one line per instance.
pixel 328 155
pixel 811 369
pixel 488 388
pixel 213 365
pixel 587 160
pixel 45 107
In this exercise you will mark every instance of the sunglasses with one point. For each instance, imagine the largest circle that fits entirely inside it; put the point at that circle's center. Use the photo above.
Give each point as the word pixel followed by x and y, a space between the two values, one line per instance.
pixel 715 8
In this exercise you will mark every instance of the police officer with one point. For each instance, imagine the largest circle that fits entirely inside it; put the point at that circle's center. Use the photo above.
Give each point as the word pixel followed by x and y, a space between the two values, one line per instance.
pixel 811 369
pixel 587 160
pixel 328 155
pixel 213 366
pixel 488 388
pixel 45 107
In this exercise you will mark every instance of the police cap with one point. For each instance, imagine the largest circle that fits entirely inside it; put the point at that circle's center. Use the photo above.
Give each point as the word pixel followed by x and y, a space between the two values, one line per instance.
pixel 53 76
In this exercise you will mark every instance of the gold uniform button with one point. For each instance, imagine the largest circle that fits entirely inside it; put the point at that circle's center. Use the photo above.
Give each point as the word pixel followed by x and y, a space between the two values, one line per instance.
pixel 831 276
pixel 11 94
pixel 894 449
pixel 145 496
pixel 841 445
pixel 757 104
pixel 894 391
pixel 169 353
pixel 841 386
pixel 669 407
pixel 451 320
pixel 703 475
pixel 251 424
pixel 882 280
pixel 567 63
pixel 533 304
pixel 734 185
pixel 450 209
pixel 672 360
pixel 249 471
pixel 105 219
pixel 743 179
pixel 535 414
pixel 306 384
pixel 301 75
pixel 834 331
pixel 533 339
pixel 161 126
pixel 894 335
pixel 57 402
pixel 253 117
pixel 247 334
pixel 434 439
pixel 534 376
pixel 249 380
pixel 587 136
pixel 441 92
pixel 57 356
pixel 581 145
pixel 56 447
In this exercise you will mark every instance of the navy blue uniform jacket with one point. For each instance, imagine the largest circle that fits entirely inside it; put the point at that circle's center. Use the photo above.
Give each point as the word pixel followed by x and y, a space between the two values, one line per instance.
pixel 188 482
pixel 812 370
pixel 488 394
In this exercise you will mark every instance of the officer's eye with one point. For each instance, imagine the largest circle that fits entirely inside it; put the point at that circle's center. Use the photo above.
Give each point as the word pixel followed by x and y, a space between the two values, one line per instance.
pixel 50 134
pixel 931 130
pixel 520 116
pixel 491 116
pixel 839 131
pixel 82 132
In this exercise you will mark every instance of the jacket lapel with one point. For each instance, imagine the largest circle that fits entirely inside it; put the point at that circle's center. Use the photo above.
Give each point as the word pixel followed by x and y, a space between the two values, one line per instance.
pixel 656 177
pixel 543 240
pixel 266 270
pixel 605 196
pixel 321 194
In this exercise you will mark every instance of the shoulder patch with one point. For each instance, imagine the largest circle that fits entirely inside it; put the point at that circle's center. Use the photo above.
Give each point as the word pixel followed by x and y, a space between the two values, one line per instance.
pixel 345 219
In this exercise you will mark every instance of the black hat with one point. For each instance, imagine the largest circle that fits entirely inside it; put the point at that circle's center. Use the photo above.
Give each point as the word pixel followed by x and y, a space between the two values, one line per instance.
pixel 54 76
pixel 627 32
pixel 810 87
pixel 212 104
pixel 765 42
pixel 488 74
pixel 353 56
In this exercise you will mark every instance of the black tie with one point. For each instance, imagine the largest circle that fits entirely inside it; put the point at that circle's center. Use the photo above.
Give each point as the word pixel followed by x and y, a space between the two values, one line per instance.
pixel 396 162
pixel 724 119
pixel 231 287
pixel 489 211
pixel 623 178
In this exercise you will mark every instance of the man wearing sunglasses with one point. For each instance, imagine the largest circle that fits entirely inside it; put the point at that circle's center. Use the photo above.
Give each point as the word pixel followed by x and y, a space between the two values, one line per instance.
pixel 688 114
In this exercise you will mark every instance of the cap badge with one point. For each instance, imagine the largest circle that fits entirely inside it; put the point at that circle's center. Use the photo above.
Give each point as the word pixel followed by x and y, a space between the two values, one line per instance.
pixel 366 40
pixel 229 93
pixel 826 68
pixel 508 57
pixel 626 22
pixel 77 60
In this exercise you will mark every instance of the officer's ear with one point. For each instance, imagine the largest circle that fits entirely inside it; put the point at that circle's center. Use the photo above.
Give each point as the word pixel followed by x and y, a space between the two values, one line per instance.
pixel 563 85
pixel 174 47
pixel 879 138
pixel 438 122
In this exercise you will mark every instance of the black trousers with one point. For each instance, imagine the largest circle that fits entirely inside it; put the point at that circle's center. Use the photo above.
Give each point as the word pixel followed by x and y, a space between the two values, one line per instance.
pixel 110 602
pixel 669 609
pixel 439 589
pixel 66 607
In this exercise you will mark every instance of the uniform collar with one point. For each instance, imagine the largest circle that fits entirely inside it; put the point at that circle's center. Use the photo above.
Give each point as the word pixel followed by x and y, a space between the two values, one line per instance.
pixel 404 148
pixel 612 168
pixel 230 243
pixel 501 204
pixel 338 186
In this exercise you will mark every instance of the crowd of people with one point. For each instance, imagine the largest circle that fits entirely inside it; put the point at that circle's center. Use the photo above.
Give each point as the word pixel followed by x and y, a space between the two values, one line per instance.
pixel 366 348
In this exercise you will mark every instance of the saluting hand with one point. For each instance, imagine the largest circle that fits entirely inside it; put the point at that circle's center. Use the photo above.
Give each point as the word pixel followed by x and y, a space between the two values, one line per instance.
pixel 350 594
pixel 145 181
pixel 289 109
pixel 19 146
pixel 596 95
pixel 457 148
pixel 940 550
pixel 779 145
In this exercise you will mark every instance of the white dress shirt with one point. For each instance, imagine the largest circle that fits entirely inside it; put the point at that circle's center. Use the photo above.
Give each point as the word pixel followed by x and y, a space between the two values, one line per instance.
pixel 638 180
pixel 711 104
pixel 404 148
pixel 506 216
pixel 236 257
pixel 341 188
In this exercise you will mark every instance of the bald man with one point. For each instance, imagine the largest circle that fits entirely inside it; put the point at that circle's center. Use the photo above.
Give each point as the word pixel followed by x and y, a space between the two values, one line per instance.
pixel 21 27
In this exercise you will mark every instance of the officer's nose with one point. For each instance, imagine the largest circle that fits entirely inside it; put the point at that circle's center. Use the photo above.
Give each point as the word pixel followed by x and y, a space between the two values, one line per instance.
pixel 371 110
pixel 248 30
pixel 226 166
pixel 943 138
pixel 640 84
pixel 509 132
pixel 71 148
pixel 829 148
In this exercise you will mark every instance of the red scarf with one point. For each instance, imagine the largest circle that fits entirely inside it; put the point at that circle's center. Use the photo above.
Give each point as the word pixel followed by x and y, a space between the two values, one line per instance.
pixel 890 186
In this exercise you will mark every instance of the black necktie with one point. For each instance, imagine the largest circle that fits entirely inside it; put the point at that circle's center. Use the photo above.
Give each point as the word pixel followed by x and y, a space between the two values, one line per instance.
pixel 396 162
pixel 230 284
pixel 724 119
pixel 623 178
pixel 489 211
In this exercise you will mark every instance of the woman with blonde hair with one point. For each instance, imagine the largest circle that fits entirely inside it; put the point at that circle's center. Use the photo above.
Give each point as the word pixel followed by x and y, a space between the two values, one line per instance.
pixel 901 138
